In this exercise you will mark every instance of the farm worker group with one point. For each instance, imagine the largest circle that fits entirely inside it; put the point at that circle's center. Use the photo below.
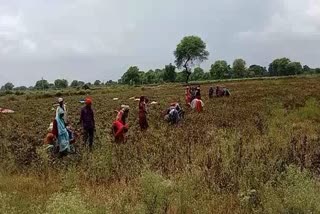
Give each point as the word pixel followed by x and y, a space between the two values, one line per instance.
pixel 63 134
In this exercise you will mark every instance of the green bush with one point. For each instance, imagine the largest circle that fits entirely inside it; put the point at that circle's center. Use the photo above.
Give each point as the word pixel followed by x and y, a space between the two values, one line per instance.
pixel 155 192
pixel 293 192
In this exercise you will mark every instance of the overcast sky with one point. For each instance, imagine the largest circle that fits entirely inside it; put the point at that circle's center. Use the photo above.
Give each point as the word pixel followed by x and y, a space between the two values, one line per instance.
pixel 100 39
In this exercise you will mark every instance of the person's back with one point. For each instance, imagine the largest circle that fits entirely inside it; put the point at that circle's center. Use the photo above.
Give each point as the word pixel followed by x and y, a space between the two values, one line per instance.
pixel 88 122
pixel 174 116
pixel 87 117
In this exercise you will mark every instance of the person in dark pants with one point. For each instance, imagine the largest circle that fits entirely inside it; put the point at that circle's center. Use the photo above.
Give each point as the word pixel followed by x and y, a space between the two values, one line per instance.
pixel 87 122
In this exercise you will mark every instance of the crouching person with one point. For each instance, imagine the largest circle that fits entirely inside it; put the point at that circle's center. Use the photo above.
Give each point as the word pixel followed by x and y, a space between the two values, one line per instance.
pixel 174 113
pixel 222 91
pixel 197 105
pixel 123 114
pixel 119 130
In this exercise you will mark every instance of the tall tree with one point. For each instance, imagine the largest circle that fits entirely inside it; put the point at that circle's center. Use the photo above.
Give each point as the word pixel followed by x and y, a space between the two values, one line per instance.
pixel 294 68
pixel 74 83
pixel 239 68
pixel 159 75
pixel 8 86
pixel 181 77
pixel 306 69
pixel 197 74
pixel 97 83
pixel 169 73
pixel 219 69
pixel 81 83
pixel 132 76
pixel 61 83
pixel 191 49
pixel 257 70
pixel 42 84
pixel 279 67
pixel 150 77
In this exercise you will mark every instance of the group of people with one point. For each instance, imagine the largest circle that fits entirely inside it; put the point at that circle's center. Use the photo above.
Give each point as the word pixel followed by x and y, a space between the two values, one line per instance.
pixel 219 92
pixel 61 135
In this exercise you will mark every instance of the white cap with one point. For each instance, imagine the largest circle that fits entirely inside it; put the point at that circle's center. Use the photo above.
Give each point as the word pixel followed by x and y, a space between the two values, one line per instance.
pixel 60 100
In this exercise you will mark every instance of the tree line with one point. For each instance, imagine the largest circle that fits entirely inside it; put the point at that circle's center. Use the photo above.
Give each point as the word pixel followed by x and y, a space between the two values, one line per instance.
pixel 190 51
pixel 219 70
pixel 57 84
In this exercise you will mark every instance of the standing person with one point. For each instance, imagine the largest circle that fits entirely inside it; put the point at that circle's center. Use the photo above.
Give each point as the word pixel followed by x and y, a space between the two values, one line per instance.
pixel 63 106
pixel 143 113
pixel 61 133
pixel 87 122
pixel 198 92
pixel 211 91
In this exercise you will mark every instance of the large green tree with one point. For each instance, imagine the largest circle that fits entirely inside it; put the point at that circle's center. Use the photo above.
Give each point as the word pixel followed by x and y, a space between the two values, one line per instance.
pixel 306 69
pixel 8 86
pixel 169 74
pixel 197 74
pixel 42 84
pixel 294 68
pixel 97 83
pixel 219 69
pixel 191 49
pixel 181 76
pixel 279 67
pixel 132 76
pixel 159 75
pixel 74 83
pixel 61 83
pixel 239 68
pixel 151 77
pixel 257 70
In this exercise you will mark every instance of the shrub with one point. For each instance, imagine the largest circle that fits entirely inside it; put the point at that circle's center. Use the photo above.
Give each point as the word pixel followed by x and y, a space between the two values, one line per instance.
pixel 68 203
pixel 155 192
pixel 59 94
pixel 18 93
pixel 294 192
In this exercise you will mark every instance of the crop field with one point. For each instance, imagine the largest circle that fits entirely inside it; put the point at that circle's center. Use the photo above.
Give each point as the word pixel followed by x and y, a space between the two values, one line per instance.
pixel 257 151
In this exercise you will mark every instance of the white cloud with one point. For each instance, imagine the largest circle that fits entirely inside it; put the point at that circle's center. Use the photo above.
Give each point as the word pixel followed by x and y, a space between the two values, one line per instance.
pixel 297 18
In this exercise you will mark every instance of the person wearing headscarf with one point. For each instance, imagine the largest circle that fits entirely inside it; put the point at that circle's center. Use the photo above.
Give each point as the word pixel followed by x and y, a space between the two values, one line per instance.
pixel 62 105
pixel 61 132
pixel 123 114
pixel 143 113
pixel 198 92
pixel 88 123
